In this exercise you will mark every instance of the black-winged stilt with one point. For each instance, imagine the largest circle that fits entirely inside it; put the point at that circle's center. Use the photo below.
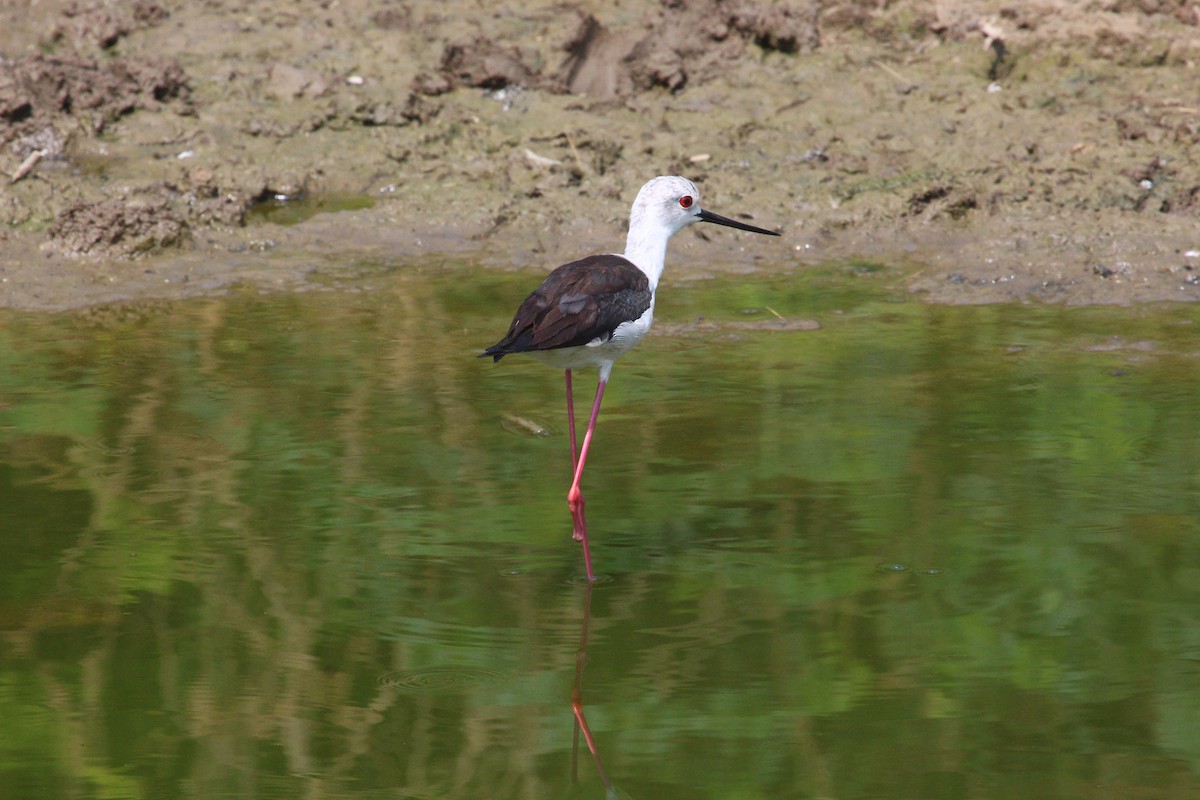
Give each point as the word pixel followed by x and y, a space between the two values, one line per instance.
pixel 590 312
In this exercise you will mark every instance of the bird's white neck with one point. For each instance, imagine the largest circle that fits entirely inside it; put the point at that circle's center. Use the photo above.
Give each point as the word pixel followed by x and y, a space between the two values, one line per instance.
pixel 646 246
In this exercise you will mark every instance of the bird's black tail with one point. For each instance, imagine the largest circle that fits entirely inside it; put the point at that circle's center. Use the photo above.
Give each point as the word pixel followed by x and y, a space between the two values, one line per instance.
pixel 495 351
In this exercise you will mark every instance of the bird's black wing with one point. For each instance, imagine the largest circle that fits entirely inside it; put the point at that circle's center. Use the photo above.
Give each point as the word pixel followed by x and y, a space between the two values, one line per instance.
pixel 578 302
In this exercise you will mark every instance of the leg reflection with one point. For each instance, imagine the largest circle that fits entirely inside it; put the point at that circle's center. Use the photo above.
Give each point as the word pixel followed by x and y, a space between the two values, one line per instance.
pixel 610 791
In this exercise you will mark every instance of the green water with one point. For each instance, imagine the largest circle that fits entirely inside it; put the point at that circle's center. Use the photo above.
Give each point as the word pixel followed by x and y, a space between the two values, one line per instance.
pixel 296 546
pixel 285 211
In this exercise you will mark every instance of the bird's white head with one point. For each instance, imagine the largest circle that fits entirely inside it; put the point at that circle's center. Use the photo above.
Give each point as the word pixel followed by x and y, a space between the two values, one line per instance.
pixel 666 204
pixel 662 208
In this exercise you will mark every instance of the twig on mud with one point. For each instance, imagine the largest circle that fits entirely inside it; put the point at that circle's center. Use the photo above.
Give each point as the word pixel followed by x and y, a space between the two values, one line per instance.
pixel 27 165
pixel 1176 105
pixel 541 161
pixel 584 168
pixel 905 86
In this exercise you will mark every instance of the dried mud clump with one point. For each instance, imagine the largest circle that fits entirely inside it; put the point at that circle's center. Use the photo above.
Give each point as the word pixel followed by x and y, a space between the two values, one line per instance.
pixel 595 63
pixel 788 28
pixel 485 64
pixel 697 37
pixel 679 42
pixel 942 199
pixel 36 90
pixel 685 42
pixel 414 109
pixel 111 228
pixel 102 25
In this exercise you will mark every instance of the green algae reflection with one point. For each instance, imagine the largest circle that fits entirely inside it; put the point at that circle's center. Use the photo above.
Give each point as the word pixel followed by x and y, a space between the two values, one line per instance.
pixel 236 532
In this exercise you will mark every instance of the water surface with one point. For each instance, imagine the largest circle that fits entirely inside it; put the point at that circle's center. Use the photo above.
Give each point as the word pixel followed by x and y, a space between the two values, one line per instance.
pixel 309 546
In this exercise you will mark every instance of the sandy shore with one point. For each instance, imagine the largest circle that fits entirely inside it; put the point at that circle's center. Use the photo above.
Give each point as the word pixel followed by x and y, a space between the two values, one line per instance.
pixel 1044 151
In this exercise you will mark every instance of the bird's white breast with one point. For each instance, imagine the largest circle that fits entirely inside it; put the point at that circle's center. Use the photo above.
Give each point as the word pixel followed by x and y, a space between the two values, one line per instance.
pixel 627 334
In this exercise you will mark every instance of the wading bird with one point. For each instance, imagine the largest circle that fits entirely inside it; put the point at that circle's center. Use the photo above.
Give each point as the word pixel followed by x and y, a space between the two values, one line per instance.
pixel 590 312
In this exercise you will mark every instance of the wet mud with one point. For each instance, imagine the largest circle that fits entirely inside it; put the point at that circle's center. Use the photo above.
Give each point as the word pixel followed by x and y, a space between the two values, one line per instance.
pixel 981 151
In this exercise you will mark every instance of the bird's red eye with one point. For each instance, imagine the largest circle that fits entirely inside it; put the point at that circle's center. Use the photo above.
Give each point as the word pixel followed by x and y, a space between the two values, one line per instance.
pixel 686 201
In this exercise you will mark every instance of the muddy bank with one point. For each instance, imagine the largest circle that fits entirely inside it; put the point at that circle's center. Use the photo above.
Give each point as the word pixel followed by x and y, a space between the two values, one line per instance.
pixel 1037 152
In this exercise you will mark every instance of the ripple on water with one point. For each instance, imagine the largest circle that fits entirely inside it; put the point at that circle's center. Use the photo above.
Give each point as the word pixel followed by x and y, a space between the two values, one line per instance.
pixel 581 580
pixel 440 680
pixel 893 568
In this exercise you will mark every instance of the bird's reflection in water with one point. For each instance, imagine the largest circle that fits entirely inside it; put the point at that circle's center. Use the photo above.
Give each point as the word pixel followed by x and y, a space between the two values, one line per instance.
pixel 611 792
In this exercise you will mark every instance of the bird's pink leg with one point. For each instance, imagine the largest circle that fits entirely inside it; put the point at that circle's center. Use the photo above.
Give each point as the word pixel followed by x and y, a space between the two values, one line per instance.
pixel 575 497
pixel 576 534
pixel 571 420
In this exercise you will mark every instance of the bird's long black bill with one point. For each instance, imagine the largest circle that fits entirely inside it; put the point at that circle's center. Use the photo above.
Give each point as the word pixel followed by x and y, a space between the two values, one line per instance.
pixel 708 216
